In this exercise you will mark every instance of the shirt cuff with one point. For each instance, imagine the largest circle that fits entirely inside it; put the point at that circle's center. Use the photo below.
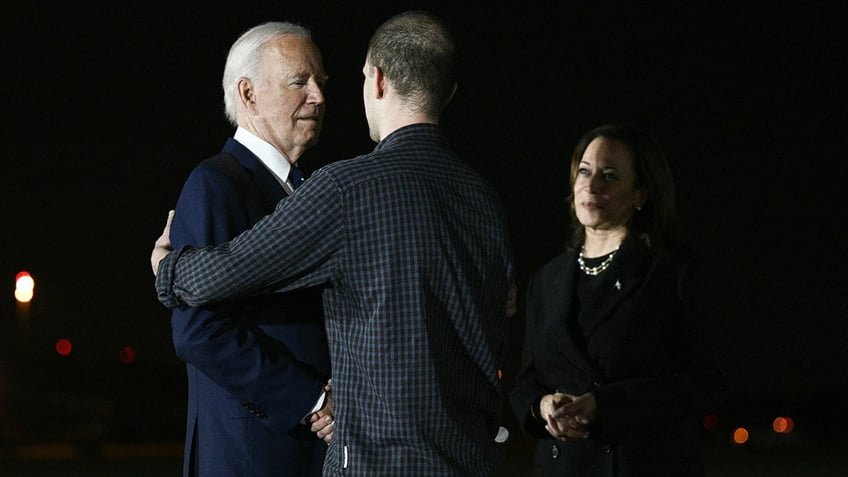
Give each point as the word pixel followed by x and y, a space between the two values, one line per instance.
pixel 322 399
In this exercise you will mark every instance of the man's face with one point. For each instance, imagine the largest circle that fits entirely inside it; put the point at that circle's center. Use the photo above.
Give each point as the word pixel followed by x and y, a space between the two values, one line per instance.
pixel 289 99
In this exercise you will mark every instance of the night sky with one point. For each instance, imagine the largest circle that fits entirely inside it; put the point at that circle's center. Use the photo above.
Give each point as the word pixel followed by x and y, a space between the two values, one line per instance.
pixel 107 110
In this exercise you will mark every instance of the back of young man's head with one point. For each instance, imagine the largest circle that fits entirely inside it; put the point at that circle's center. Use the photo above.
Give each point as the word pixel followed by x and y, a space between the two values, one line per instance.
pixel 416 52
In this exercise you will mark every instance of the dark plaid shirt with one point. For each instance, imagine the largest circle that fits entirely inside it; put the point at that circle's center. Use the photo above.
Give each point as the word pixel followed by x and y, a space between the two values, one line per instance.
pixel 413 246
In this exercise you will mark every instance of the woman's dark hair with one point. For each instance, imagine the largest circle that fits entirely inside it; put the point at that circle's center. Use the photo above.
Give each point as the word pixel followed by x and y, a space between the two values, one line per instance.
pixel 654 223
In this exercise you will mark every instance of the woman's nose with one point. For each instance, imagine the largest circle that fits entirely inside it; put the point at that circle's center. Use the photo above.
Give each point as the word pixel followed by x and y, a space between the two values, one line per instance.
pixel 595 183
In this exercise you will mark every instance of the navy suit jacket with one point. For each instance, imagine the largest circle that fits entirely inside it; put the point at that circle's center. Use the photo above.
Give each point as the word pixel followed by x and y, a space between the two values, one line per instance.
pixel 255 367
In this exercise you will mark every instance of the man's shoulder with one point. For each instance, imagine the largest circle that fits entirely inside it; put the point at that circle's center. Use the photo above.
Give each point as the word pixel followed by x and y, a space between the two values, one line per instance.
pixel 350 171
pixel 221 163
pixel 233 158
pixel 407 155
pixel 222 170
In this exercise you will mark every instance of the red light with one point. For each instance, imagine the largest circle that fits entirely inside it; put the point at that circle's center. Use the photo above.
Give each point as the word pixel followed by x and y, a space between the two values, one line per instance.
pixel 63 347
pixel 127 355
pixel 710 422
pixel 22 274
pixel 783 425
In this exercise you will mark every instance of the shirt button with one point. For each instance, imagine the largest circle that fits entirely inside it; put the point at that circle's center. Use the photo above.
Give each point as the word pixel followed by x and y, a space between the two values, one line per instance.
pixel 554 451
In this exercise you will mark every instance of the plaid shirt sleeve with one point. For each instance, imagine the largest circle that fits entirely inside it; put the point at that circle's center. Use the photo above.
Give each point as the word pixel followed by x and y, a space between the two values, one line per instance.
pixel 297 246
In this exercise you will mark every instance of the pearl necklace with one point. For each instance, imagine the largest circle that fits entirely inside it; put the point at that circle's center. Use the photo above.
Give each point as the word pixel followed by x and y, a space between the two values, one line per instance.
pixel 597 269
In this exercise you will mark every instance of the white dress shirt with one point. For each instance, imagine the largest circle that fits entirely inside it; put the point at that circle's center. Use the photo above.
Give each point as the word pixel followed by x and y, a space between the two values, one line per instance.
pixel 271 158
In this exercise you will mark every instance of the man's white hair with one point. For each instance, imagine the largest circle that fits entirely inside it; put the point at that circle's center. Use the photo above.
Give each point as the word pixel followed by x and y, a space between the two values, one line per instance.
pixel 245 58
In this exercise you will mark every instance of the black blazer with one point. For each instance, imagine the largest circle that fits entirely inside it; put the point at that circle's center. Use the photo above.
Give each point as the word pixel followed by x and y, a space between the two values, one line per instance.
pixel 642 355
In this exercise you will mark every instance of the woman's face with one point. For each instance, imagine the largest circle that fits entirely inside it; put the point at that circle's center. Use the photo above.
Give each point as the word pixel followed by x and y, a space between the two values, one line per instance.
pixel 605 193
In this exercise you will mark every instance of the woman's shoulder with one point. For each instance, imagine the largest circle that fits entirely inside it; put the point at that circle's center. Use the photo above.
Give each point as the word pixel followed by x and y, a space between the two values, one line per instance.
pixel 556 265
pixel 679 261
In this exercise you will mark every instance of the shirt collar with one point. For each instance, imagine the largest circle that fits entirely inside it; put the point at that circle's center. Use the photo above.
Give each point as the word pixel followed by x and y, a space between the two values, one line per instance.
pixel 275 161
pixel 417 131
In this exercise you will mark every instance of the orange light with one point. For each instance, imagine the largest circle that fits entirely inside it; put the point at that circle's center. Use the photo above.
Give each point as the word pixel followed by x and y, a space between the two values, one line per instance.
pixel 783 425
pixel 63 347
pixel 500 374
pixel 24 285
pixel 127 355
pixel 740 436
pixel 710 422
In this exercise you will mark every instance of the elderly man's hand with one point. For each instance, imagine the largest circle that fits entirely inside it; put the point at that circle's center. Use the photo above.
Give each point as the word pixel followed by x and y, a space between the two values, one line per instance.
pixel 322 423
pixel 162 247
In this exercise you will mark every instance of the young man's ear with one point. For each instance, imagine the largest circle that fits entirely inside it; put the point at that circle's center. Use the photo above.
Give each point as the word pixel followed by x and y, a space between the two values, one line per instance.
pixel 379 82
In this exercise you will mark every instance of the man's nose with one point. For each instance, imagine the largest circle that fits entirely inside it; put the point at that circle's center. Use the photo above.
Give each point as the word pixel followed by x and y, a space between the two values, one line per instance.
pixel 316 94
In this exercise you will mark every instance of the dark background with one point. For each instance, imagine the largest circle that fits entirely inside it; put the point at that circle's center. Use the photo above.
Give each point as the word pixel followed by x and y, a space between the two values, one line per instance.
pixel 108 107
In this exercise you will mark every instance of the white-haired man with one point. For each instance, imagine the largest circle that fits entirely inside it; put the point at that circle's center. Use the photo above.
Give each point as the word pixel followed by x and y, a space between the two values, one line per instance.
pixel 257 368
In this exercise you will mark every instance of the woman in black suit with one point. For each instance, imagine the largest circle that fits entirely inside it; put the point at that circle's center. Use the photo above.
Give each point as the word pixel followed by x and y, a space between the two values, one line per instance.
pixel 615 373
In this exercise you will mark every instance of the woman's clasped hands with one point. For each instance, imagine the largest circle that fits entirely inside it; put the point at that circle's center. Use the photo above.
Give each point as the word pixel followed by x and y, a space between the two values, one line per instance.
pixel 568 417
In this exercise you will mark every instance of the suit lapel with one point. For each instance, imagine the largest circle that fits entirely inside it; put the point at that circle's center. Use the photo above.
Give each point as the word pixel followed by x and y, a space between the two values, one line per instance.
pixel 617 284
pixel 561 299
pixel 560 319
pixel 265 182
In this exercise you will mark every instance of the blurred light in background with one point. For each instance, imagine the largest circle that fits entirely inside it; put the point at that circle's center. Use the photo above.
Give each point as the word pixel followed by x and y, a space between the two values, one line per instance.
pixel 63 347
pixel 783 425
pixel 127 355
pixel 24 285
pixel 710 422
pixel 740 436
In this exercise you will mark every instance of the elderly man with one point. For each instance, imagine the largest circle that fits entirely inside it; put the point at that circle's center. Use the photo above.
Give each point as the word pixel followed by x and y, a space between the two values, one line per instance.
pixel 256 367
pixel 413 245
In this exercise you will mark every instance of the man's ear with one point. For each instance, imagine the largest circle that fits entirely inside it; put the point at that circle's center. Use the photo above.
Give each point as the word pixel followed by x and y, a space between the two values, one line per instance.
pixel 246 94
pixel 380 82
